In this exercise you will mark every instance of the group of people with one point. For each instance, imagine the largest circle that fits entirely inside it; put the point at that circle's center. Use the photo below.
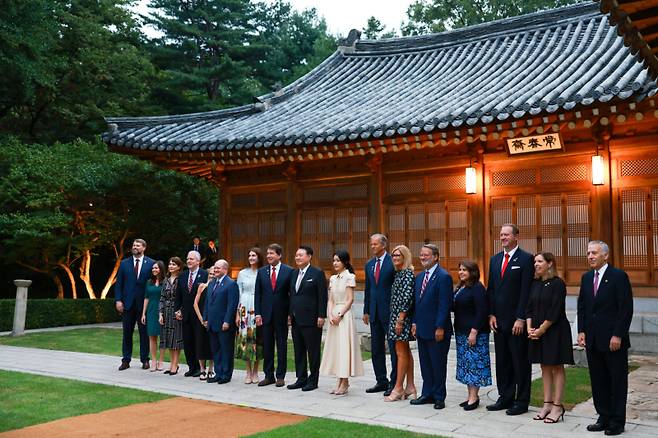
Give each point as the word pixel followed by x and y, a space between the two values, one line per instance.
pixel 523 305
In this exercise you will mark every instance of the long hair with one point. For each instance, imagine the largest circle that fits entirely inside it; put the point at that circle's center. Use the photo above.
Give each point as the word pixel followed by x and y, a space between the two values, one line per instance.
pixel 406 256
pixel 552 269
pixel 344 258
pixel 473 273
pixel 161 275
pixel 259 253
pixel 178 263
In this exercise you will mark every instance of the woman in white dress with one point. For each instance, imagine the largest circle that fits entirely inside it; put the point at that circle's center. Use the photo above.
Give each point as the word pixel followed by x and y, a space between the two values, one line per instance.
pixel 342 352
pixel 249 345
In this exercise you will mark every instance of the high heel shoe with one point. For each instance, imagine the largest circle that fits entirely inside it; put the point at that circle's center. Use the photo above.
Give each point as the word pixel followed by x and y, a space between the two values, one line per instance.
pixel 549 420
pixel 395 396
pixel 173 373
pixel 472 406
pixel 342 391
pixel 411 395
pixel 158 366
pixel 539 415
pixel 464 403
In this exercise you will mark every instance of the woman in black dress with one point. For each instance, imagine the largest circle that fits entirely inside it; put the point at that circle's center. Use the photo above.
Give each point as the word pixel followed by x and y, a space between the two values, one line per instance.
pixel 549 333
pixel 399 330
pixel 171 333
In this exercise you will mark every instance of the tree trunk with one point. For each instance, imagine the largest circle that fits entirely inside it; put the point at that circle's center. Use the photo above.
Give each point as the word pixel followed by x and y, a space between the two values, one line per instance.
pixel 118 253
pixel 60 286
pixel 50 273
pixel 85 273
pixel 71 277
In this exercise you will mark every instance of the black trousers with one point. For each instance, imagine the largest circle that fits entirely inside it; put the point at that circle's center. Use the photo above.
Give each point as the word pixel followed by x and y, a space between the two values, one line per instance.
pixel 189 344
pixel 128 320
pixel 275 334
pixel 378 335
pixel 608 372
pixel 513 368
pixel 307 340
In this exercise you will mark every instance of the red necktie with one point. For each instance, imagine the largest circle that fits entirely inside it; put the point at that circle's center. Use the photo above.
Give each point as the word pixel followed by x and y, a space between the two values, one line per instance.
pixel 378 268
pixel 502 271
pixel 190 282
pixel 273 278
pixel 136 268
pixel 425 281
pixel 596 282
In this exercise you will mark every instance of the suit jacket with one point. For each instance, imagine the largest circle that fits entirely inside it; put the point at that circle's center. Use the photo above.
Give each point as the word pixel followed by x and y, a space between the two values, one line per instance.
pixel 273 305
pixel 433 308
pixel 185 296
pixel 221 303
pixel 471 309
pixel 609 313
pixel 309 302
pixel 128 288
pixel 377 296
pixel 210 257
pixel 508 296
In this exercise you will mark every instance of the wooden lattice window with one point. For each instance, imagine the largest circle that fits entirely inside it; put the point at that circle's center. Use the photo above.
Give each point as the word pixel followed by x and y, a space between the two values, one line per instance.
pixel 255 229
pixel 444 223
pixel 328 230
pixel 557 222
pixel 639 233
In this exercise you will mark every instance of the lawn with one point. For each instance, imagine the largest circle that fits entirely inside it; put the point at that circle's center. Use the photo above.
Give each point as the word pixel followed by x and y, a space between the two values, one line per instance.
pixel 28 399
pixel 576 390
pixel 322 428
pixel 103 341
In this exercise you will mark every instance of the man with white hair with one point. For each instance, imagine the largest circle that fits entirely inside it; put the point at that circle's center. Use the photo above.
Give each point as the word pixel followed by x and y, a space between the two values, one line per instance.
pixel 605 311
pixel 188 283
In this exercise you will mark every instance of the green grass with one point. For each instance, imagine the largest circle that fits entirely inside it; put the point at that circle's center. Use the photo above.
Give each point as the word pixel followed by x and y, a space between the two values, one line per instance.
pixel 28 399
pixel 322 428
pixel 104 341
pixel 576 390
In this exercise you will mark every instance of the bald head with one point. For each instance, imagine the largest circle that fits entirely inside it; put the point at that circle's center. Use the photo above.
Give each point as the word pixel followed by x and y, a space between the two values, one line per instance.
pixel 221 268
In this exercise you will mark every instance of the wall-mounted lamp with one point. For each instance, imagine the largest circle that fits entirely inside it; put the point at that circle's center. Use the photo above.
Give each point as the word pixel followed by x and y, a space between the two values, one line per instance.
pixel 471 180
pixel 597 170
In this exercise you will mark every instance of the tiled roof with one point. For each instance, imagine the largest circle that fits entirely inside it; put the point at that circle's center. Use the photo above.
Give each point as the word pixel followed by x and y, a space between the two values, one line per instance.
pixel 542 63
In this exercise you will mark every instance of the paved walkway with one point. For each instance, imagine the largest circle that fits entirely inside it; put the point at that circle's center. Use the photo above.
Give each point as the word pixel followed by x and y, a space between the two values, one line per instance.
pixel 357 406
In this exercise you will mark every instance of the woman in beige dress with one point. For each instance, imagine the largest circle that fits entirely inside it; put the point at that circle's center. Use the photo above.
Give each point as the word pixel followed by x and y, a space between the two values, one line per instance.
pixel 342 352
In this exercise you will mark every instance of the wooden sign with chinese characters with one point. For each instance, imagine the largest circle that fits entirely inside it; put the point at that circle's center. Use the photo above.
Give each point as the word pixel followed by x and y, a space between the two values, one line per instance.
pixel 535 143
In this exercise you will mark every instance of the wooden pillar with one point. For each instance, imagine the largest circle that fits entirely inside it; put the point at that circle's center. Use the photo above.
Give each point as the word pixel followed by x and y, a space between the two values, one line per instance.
pixel 293 231
pixel 376 205
pixel 223 222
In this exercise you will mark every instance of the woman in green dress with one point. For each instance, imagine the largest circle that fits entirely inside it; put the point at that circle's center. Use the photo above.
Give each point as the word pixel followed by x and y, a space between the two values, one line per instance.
pixel 150 315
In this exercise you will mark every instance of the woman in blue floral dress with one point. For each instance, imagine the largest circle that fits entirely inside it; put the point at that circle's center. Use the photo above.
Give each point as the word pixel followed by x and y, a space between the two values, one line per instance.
pixel 472 333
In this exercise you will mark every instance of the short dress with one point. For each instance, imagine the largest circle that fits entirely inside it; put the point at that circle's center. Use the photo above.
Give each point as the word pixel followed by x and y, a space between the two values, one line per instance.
pixel 249 345
pixel 547 302
pixel 342 353
pixel 152 292
pixel 171 331
pixel 402 300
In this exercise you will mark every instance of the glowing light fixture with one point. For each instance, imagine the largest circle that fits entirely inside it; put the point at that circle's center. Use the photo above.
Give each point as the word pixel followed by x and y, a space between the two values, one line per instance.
pixel 597 170
pixel 471 180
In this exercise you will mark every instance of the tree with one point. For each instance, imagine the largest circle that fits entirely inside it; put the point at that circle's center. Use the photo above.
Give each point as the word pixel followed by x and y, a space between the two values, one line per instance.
pixel 69 63
pixel 375 30
pixel 427 16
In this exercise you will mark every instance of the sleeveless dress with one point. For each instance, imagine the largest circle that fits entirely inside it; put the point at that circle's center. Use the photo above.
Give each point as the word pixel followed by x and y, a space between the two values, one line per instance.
pixel 249 345
pixel 152 292
pixel 342 352
pixel 402 300
pixel 171 336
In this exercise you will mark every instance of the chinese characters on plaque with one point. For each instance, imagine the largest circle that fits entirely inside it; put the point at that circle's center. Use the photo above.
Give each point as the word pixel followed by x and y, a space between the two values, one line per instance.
pixel 535 143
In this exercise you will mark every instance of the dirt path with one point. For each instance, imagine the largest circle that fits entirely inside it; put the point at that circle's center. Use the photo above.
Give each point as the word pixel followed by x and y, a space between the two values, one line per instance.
pixel 176 417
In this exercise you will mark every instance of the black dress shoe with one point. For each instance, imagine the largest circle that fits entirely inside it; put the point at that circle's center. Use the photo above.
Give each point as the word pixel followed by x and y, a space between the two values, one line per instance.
pixel 614 430
pixel 213 380
pixel 197 373
pixel 517 410
pixel 145 365
pixel 266 381
pixel 472 406
pixel 297 385
pixel 189 373
pixel 597 427
pixel 309 387
pixel 388 392
pixel 124 365
pixel 223 381
pixel 439 405
pixel 380 387
pixel 280 383
pixel 422 400
pixel 499 406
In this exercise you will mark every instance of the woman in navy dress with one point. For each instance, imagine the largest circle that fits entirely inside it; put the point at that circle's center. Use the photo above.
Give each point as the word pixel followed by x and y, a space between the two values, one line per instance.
pixel 472 333
pixel 549 332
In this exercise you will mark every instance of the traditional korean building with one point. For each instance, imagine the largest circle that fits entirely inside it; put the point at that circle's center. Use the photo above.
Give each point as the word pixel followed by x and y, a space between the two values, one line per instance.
pixel 548 120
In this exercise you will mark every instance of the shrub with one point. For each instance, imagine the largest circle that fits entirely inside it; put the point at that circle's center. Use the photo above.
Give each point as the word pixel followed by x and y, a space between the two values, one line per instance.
pixel 57 313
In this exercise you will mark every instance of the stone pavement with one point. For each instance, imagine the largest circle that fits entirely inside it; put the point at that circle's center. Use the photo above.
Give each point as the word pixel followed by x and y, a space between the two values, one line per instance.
pixel 357 406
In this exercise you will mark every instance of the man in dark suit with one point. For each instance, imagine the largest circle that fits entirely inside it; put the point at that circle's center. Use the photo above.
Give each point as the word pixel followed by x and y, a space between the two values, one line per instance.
pixel 605 311
pixel 510 274
pixel 308 310
pixel 188 283
pixel 199 247
pixel 272 303
pixel 432 326
pixel 211 255
pixel 129 289
pixel 222 297
pixel 376 312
